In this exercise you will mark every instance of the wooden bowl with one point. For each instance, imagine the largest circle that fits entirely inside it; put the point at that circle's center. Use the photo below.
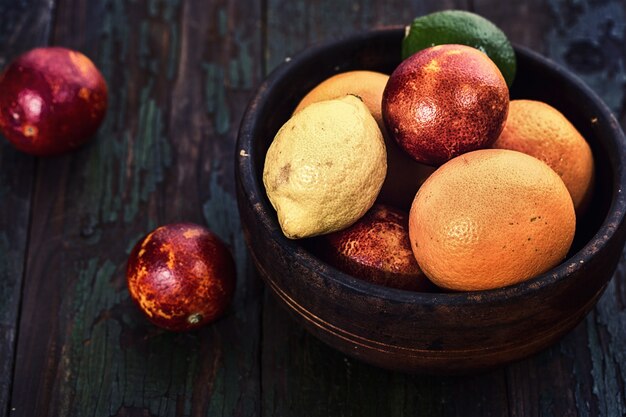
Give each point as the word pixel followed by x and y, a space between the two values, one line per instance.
pixel 428 332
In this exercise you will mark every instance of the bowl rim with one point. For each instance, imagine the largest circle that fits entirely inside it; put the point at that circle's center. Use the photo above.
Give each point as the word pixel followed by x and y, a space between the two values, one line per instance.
pixel 245 173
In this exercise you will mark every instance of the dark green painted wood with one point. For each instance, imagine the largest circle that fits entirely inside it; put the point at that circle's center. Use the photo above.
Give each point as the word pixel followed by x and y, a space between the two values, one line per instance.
pixel 584 374
pixel 25 25
pixel 180 74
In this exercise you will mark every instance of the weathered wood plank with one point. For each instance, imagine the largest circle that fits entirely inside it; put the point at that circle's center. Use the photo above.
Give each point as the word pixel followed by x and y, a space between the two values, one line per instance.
pixel 292 25
pixel 24 25
pixel 180 73
pixel 301 376
pixel 584 374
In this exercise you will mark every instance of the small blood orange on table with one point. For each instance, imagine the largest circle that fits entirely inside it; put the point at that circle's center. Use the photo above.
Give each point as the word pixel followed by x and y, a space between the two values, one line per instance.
pixel 490 218
pixel 181 276
pixel 444 101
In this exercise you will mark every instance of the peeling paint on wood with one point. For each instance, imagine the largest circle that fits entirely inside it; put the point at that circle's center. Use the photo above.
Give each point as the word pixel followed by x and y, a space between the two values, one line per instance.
pixel 181 74
pixel 589 40
pixel 101 357
pixel 216 97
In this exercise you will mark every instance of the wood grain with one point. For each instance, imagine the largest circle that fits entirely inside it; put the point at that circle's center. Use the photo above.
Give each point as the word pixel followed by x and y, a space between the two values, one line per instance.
pixel 179 75
pixel 24 25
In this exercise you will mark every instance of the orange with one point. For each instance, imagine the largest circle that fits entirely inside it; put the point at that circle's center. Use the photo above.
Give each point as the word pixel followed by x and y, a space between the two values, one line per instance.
pixel 540 130
pixel 368 85
pixel 490 218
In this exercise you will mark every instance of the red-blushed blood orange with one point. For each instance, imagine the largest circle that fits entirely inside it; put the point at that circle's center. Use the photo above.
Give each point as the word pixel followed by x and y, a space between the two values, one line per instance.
pixel 490 218
pixel 376 249
pixel 181 276
pixel 444 101
pixel 540 130
pixel 52 100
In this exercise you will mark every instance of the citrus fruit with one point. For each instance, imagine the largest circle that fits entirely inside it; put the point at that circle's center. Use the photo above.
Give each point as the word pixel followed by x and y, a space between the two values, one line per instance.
pixel 540 130
pixel 444 101
pixel 368 85
pixel 376 249
pixel 325 167
pixel 52 100
pixel 490 218
pixel 465 28
pixel 181 276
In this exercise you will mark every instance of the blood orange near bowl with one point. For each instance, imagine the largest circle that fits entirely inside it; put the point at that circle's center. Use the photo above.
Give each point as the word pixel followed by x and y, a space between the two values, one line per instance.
pixel 432 332
pixel 52 101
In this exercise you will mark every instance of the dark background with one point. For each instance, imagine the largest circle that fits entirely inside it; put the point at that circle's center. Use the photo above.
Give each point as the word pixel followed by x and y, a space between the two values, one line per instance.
pixel 180 74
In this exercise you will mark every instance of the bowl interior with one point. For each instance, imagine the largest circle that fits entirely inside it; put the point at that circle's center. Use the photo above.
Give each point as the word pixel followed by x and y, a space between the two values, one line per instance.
pixel 537 78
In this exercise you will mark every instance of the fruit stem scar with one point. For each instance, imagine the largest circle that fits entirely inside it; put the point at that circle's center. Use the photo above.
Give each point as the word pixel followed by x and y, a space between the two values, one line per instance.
pixel 29 131
pixel 194 318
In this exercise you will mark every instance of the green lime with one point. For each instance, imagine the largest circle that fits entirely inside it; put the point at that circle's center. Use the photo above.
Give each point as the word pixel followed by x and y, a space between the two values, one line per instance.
pixel 465 28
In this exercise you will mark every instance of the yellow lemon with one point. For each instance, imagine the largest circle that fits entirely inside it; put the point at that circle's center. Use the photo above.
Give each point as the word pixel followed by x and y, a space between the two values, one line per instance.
pixel 325 167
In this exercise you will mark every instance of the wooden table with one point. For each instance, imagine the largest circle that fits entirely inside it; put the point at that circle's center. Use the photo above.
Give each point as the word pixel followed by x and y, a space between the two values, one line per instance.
pixel 180 74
